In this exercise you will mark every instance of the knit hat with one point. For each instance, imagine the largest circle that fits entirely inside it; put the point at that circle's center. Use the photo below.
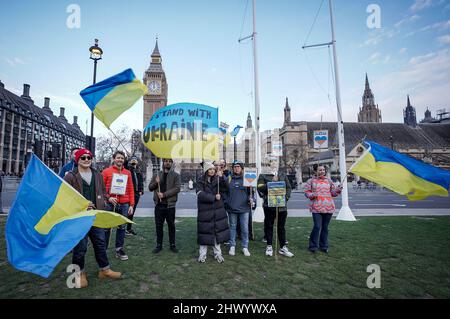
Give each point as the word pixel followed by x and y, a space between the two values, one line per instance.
pixel 82 152
pixel 207 166
pixel 134 159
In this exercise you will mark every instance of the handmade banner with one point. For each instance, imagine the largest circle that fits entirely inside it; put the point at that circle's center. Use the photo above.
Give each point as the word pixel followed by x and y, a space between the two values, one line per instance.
pixel 184 131
pixel 321 139
pixel 276 194
pixel 277 149
pixel 250 177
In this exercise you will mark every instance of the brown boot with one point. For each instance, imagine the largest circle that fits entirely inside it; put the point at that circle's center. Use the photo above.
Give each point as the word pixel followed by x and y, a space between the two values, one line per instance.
pixel 83 280
pixel 108 273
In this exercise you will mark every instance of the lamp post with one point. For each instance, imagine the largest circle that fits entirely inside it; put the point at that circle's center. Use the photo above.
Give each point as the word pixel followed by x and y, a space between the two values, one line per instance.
pixel 96 54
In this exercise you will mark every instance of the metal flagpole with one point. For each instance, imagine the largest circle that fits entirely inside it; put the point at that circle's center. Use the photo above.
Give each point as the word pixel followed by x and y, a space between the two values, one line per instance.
pixel 259 212
pixel 345 213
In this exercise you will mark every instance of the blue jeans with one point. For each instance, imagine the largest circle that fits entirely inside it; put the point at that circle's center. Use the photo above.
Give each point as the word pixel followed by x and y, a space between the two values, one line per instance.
pixel 97 236
pixel 120 233
pixel 243 221
pixel 321 222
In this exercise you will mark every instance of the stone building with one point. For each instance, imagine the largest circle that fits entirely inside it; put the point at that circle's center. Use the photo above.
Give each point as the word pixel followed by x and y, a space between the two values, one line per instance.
pixel 26 128
pixel 429 142
pixel 369 112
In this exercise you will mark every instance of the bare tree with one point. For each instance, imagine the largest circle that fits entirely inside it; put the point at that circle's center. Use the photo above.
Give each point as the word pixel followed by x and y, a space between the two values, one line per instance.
pixel 107 144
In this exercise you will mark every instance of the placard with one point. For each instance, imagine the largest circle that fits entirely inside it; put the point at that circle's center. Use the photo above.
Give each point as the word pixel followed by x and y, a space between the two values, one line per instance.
pixel 119 184
pixel 250 177
pixel 276 194
pixel 321 139
pixel 277 149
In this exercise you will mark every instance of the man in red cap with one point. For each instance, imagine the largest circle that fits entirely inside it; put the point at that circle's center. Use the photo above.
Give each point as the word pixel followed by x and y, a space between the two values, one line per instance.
pixel 88 182
pixel 120 193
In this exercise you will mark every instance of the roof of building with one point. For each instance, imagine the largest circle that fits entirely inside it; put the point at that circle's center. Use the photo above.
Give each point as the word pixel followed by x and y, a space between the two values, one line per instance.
pixel 403 136
pixel 27 108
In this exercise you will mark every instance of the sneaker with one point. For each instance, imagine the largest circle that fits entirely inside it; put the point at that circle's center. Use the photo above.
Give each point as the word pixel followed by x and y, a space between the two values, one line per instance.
pixel 157 249
pixel 173 248
pixel 269 251
pixel 246 252
pixel 202 259
pixel 312 250
pixel 127 233
pixel 285 252
pixel 324 250
pixel 219 258
pixel 232 251
pixel 132 232
pixel 121 254
pixel 108 273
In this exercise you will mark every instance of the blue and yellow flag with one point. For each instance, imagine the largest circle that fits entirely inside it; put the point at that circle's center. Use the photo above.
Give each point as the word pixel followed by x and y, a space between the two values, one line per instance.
pixel 48 219
pixel 113 96
pixel 184 131
pixel 401 173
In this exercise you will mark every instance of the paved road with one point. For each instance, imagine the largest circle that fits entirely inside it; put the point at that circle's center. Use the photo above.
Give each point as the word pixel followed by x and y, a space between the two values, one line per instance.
pixel 361 202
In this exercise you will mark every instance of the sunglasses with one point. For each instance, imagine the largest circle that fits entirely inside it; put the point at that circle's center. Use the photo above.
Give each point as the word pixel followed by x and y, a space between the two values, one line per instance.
pixel 85 158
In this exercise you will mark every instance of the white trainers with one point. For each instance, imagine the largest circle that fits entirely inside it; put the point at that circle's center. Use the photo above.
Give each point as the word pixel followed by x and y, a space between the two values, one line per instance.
pixel 285 252
pixel 269 251
pixel 202 258
pixel 232 251
pixel 219 258
pixel 246 252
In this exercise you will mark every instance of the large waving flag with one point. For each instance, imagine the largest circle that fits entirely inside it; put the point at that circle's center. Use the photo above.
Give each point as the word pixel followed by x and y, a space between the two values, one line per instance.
pixel 113 96
pixel 184 131
pixel 401 173
pixel 48 219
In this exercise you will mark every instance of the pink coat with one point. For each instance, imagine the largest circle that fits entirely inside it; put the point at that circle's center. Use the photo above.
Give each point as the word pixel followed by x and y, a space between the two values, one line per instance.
pixel 321 192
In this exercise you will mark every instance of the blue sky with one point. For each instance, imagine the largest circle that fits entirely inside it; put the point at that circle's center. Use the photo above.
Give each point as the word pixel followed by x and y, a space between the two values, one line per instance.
pixel 204 62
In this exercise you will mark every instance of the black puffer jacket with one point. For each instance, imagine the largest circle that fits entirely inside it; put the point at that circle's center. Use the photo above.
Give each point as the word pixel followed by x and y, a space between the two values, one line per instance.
pixel 212 219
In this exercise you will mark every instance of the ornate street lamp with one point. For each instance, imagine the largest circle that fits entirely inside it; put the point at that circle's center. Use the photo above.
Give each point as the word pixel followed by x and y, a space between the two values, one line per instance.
pixel 96 54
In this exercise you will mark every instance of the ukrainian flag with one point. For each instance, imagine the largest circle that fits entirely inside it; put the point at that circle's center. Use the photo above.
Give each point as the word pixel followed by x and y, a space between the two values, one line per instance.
pixel 48 219
pixel 401 173
pixel 113 96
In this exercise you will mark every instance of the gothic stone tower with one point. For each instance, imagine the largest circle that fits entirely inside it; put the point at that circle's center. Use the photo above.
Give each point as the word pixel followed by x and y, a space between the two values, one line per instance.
pixel 155 79
pixel 409 114
pixel 369 112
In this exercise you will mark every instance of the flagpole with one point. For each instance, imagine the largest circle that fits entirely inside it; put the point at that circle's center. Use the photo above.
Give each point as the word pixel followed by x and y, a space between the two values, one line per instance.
pixel 345 213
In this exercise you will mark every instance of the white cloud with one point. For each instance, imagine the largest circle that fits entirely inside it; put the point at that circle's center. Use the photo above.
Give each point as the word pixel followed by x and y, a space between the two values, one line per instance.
pixel 444 25
pixel 402 50
pixel 444 39
pixel 374 57
pixel 420 58
pixel 412 18
pixel 424 4
pixel 378 36
pixel 14 61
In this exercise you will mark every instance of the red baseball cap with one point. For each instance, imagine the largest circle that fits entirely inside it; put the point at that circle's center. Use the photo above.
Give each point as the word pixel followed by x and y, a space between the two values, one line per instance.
pixel 82 152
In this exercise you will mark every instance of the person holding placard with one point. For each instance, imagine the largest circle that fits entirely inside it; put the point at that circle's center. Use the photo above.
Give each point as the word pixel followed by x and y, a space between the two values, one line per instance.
pixel 270 213
pixel 212 219
pixel 166 185
pixel 120 194
pixel 238 205
pixel 320 190
pixel 88 182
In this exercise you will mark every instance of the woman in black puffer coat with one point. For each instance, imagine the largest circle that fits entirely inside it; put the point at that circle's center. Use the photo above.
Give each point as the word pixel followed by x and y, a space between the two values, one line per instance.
pixel 212 219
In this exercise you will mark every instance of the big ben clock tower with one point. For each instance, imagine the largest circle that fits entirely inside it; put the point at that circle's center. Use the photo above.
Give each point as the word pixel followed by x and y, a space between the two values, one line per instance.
pixel 156 97
pixel 155 80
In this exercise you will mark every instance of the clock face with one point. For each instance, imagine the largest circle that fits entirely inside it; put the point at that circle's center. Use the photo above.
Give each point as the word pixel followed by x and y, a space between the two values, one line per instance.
pixel 154 87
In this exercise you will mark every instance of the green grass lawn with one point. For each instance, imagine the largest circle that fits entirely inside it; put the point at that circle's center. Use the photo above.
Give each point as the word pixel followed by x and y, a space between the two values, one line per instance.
pixel 413 254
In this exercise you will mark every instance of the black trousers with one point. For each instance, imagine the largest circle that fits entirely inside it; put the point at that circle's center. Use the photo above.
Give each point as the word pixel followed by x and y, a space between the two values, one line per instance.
pixel 162 213
pixel 269 220
pixel 136 201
